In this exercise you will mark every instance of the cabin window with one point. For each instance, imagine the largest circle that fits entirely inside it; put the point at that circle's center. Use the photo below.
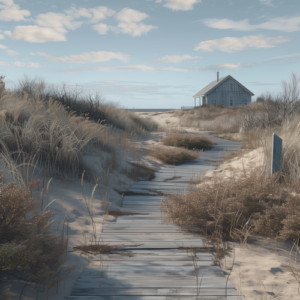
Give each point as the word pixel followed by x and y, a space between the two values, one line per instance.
pixel 231 86
pixel 245 102
pixel 231 101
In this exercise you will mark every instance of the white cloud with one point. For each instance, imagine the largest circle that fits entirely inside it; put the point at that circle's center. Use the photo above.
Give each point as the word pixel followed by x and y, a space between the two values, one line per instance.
pixel 94 14
pixel 101 28
pixel 233 44
pixel 180 4
pixel 127 68
pixel 130 15
pixel 87 57
pixel 7 2
pixel 174 69
pixel 100 13
pixel 33 65
pixel 12 12
pixel 266 2
pixel 57 20
pixel 173 58
pixel 281 24
pixel 20 64
pixel 2 36
pixel 36 34
pixel 134 29
pixel 12 52
pixel 3 47
pixel 227 66
pixel 110 68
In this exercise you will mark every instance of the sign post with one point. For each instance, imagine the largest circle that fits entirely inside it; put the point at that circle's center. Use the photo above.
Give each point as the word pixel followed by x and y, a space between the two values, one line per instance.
pixel 276 153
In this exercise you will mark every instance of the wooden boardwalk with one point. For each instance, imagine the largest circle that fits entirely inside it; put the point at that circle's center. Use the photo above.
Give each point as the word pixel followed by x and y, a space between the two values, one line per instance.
pixel 154 267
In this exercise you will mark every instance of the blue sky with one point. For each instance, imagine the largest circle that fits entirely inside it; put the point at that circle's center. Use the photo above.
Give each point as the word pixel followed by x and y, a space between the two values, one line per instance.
pixel 150 53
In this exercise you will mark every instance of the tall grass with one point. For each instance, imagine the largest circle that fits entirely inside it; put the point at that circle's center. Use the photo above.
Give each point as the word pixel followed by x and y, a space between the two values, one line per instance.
pixel 254 201
pixel 56 132
pixel 211 118
pixel 94 107
pixel 27 245
pixel 38 130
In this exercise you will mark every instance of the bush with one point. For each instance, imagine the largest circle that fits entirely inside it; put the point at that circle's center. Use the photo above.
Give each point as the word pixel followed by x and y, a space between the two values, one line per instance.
pixel 189 141
pixel 272 111
pixel 172 156
pixel 27 245
pixel 221 209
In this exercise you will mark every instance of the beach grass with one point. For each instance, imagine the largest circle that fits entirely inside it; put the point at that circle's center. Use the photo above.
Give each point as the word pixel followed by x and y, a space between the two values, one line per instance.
pixel 189 141
pixel 172 156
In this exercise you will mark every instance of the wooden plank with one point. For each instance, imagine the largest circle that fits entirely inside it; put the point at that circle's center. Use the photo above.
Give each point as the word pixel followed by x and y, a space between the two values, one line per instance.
pixel 168 297
pixel 149 263
pixel 100 291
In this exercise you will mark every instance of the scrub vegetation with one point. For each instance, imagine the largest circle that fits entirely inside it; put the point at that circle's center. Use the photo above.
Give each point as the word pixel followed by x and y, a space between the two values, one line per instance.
pixel 189 141
pixel 52 131
pixel 255 201
pixel 172 156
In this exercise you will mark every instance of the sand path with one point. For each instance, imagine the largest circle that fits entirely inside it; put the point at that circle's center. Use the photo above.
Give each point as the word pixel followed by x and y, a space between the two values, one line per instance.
pixel 150 263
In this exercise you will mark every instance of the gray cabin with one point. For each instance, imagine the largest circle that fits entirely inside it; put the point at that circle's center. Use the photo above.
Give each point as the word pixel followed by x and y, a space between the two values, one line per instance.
pixel 225 91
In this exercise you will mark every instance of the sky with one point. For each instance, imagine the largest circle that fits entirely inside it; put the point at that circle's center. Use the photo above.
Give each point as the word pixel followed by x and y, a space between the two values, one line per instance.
pixel 150 53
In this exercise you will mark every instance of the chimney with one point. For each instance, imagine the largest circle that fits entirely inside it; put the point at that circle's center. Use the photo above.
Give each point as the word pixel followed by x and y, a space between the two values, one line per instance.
pixel 217 76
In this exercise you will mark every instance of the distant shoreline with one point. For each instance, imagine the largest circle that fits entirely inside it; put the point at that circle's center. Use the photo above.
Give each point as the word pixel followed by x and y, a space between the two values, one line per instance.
pixel 151 109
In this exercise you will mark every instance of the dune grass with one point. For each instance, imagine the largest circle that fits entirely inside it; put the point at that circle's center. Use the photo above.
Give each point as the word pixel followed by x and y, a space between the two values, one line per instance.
pixel 56 133
pixel 255 201
pixel 92 107
pixel 217 118
pixel 40 132
pixel 27 245
pixel 238 207
pixel 189 141
pixel 172 156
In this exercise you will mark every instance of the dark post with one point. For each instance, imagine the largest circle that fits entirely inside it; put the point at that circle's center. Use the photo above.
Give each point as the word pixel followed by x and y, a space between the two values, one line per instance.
pixel 276 153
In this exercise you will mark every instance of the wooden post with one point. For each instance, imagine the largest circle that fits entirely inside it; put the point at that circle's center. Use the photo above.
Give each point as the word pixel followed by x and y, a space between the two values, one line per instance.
pixel 276 153
pixel 194 102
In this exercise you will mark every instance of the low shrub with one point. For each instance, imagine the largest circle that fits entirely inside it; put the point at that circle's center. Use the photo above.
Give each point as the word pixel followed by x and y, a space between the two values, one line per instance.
pixel 189 141
pixel 172 156
pixel 240 205
pixel 27 245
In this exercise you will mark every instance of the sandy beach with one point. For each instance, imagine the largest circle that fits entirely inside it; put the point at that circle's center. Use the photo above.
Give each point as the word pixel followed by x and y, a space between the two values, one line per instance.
pixel 255 269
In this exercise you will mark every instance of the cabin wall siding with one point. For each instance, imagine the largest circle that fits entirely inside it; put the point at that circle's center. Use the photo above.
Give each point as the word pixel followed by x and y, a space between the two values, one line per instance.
pixel 228 88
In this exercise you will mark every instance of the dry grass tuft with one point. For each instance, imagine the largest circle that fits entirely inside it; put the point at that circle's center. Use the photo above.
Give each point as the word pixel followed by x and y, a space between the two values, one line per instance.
pixel 172 178
pixel 27 245
pixel 238 206
pixel 139 172
pixel 218 118
pixel 172 156
pixel 189 141
pixel 123 213
pixel 97 248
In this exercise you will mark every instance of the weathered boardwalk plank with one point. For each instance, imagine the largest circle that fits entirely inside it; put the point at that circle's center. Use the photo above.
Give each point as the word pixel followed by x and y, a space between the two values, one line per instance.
pixel 150 262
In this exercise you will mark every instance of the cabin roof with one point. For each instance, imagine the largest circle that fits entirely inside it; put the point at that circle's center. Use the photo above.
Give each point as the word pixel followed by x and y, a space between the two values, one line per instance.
pixel 215 83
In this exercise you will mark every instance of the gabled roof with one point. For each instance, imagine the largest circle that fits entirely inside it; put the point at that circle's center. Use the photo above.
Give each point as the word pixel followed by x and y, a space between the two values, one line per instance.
pixel 215 83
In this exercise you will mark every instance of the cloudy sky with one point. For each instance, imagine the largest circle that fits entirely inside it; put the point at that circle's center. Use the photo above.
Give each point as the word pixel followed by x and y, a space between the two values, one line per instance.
pixel 150 53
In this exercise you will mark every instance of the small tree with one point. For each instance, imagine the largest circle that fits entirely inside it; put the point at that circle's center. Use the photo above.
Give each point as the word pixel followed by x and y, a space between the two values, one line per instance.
pixel 274 110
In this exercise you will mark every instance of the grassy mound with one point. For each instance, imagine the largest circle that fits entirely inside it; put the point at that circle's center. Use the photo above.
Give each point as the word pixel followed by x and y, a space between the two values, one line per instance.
pixel 239 206
pixel 172 156
pixel 189 141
